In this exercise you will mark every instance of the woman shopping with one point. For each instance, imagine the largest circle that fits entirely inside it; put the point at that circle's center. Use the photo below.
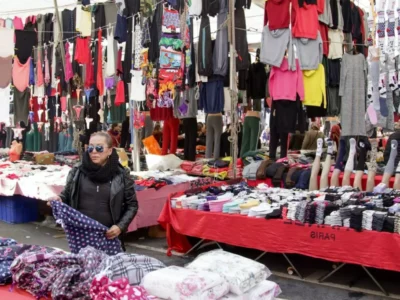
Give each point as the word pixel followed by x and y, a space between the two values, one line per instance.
pixel 100 187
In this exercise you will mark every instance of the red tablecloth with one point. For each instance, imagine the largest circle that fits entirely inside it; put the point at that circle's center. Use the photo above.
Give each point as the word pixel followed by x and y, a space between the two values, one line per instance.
pixel 368 248
pixel 151 203
pixel 16 294
pixel 378 179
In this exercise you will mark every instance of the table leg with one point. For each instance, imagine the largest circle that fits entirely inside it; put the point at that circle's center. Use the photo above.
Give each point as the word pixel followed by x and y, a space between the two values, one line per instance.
pixel 375 281
pixel 322 279
pixel 294 268
pixel 194 247
pixel 260 256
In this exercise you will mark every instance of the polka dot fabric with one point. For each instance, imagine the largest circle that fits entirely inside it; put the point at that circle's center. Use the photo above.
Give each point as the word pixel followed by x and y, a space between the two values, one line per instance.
pixel 83 231
pixel 105 289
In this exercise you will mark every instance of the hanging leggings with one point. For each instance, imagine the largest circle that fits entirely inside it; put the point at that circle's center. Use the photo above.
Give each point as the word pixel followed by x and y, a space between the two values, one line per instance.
pixel 276 137
pixel 190 130
pixel 251 134
pixel 213 137
pixel 170 136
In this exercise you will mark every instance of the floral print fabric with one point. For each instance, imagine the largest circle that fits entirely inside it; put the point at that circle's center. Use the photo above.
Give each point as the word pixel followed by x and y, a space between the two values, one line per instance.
pixel 178 283
pixel 105 289
pixel 61 275
pixel 241 273
pixel 83 231
pixel 9 250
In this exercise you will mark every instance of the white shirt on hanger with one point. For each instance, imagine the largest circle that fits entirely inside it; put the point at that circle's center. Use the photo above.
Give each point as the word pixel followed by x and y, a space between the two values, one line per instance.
pixel 5 98
pixel 7 42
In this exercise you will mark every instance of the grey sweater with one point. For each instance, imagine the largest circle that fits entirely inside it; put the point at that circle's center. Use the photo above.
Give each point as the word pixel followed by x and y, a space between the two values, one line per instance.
pixel 273 46
pixel 185 104
pixel 309 52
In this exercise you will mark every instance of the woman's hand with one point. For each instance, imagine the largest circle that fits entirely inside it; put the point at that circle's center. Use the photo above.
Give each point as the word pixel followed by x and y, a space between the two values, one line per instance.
pixel 113 232
pixel 54 198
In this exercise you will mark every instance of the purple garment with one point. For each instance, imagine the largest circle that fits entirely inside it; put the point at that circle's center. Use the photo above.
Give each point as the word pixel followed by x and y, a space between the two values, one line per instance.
pixel 32 74
pixel 110 82
pixel 83 231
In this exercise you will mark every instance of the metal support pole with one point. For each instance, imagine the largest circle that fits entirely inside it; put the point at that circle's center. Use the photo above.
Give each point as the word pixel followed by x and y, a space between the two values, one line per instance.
pixel 233 86
pixel 135 139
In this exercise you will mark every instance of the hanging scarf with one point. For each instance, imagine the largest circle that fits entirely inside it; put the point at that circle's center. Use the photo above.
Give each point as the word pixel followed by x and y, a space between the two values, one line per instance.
pixel 100 83
pixel 97 173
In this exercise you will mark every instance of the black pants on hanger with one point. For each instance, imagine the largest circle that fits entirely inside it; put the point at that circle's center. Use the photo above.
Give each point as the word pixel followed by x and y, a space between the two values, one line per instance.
pixel 190 130
pixel 276 139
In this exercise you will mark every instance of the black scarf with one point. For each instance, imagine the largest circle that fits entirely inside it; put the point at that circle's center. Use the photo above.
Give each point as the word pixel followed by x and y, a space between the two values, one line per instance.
pixel 100 174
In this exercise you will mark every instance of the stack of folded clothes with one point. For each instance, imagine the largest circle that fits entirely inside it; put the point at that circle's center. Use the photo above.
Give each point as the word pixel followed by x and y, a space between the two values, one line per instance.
pixel 356 218
pixel 333 219
pixel 233 206
pixel 378 220
pixel 367 219
pixel 397 223
pixel 245 207
pixel 292 207
pixel 320 212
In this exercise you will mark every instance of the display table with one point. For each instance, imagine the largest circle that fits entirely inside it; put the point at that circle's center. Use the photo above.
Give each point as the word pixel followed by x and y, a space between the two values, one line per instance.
pixel 151 203
pixel 378 180
pixel 368 248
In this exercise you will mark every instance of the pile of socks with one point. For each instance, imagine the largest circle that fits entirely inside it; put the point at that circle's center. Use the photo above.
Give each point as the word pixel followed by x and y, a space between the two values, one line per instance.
pixel 334 219
pixel 292 207
pixel 356 218
pixel 346 223
pixel 301 211
pixel 397 223
pixel 245 207
pixel 378 220
pixel 310 213
pixel 261 210
pixel 367 220
pixel 377 201
pixel 388 226
pixel 345 212
pixel 232 207
pixel 319 216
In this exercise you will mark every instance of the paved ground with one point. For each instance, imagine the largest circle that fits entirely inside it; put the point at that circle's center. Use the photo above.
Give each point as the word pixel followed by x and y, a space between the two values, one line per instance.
pixel 293 289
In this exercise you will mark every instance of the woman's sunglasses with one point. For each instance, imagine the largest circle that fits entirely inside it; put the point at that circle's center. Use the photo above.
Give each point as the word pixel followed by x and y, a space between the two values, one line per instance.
pixel 99 149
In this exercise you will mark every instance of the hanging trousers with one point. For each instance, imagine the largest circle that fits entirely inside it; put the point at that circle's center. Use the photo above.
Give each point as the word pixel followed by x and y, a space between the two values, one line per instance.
pixel 213 136
pixel 275 138
pixel 190 130
pixel 251 134
pixel 170 136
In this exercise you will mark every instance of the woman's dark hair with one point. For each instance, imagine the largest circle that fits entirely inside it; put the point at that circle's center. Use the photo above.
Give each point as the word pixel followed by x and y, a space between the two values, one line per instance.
pixel 105 135
pixel 114 125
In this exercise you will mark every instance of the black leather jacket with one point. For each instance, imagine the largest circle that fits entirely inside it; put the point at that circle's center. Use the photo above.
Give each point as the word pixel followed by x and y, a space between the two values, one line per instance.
pixel 123 203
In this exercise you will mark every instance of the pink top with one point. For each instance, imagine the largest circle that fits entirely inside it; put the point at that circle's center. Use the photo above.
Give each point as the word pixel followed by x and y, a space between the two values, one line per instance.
pixel 18 25
pixel 39 71
pixel 20 74
pixel 284 84
pixel 68 65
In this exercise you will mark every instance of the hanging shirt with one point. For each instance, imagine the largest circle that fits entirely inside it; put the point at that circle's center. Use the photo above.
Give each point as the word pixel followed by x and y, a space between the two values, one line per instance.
pixel 138 89
pixel 25 41
pixel 20 74
pixel 5 105
pixel 21 105
pixel 83 231
pixel 314 87
pixel 111 65
pixel 99 78
pixel 6 71
pixel 7 42
pixel 277 14
pixel 306 23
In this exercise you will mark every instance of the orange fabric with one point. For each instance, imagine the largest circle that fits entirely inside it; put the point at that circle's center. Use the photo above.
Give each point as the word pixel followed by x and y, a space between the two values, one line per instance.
pixel 151 145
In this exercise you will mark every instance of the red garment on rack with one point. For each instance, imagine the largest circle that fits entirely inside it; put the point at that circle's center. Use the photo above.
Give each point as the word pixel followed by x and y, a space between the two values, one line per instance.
pixel 99 78
pixel 89 80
